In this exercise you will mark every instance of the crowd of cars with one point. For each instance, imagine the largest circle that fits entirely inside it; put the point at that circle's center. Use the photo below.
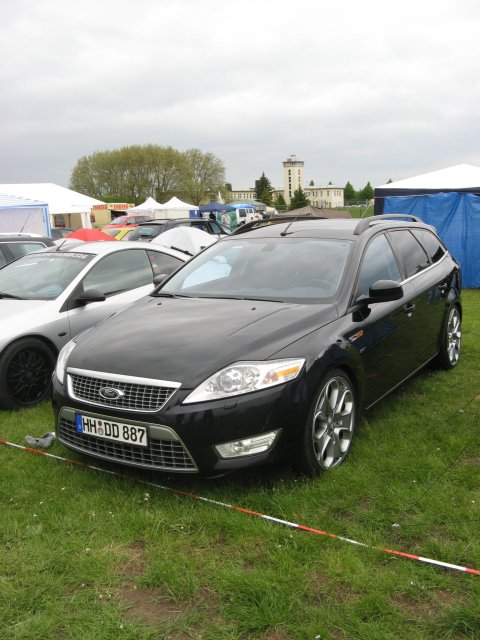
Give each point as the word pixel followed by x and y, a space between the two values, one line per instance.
pixel 304 324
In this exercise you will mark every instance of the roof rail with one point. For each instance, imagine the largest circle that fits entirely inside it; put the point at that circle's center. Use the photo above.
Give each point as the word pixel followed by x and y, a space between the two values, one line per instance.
pixel 265 222
pixel 365 223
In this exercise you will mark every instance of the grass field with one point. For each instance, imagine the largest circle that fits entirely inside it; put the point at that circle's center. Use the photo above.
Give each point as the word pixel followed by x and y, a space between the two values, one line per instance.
pixel 89 555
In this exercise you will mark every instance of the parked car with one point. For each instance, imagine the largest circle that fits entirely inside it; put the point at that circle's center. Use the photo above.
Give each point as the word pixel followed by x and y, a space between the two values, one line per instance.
pixel 58 233
pixel 15 245
pixel 119 233
pixel 127 221
pixel 48 297
pixel 304 324
pixel 149 230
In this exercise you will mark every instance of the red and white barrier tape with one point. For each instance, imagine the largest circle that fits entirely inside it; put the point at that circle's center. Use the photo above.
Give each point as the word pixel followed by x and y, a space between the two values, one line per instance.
pixel 286 523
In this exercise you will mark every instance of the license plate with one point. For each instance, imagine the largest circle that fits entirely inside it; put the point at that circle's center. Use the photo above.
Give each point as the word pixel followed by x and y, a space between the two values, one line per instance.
pixel 109 430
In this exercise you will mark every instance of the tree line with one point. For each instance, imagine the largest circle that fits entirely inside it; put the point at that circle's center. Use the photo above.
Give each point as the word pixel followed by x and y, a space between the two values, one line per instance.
pixel 132 174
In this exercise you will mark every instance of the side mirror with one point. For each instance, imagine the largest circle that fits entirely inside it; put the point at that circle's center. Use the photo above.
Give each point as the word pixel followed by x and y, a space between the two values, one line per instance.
pixel 384 291
pixel 160 278
pixel 90 295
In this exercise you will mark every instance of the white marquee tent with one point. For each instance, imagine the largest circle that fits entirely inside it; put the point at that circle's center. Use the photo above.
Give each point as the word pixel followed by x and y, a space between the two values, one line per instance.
pixel 173 208
pixel 60 200
pixel 23 215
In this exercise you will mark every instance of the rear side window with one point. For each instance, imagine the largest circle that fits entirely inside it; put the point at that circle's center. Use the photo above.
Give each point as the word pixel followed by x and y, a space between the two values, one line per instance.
pixel 431 243
pixel 20 249
pixel 162 263
pixel 412 254
pixel 378 263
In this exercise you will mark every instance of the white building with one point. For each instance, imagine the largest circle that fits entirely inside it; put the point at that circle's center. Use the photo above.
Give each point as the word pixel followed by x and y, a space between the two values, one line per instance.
pixel 326 197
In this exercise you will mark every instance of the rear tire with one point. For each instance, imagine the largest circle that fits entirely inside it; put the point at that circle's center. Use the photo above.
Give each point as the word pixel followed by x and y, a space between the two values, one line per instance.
pixel 26 370
pixel 330 425
pixel 449 353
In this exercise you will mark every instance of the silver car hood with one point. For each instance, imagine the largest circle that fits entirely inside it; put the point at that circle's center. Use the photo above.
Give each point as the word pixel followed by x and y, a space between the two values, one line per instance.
pixel 22 316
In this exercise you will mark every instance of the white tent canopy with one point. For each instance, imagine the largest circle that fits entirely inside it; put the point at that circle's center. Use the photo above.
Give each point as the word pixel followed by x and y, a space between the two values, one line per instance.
pixel 460 176
pixel 174 208
pixel 60 200
pixel 23 215
pixel 148 207
pixel 175 203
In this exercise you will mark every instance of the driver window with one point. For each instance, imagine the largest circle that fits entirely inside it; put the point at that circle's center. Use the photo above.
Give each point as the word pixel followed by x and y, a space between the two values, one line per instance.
pixel 378 263
pixel 120 272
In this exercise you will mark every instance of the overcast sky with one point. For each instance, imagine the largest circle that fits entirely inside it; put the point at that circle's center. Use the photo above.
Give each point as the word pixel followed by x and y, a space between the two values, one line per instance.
pixel 360 91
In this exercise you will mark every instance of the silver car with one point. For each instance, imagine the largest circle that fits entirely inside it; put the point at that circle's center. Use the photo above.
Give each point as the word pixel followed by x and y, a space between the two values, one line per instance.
pixel 48 297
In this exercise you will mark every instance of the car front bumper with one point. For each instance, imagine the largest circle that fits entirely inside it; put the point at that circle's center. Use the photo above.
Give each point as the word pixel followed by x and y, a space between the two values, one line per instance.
pixel 182 438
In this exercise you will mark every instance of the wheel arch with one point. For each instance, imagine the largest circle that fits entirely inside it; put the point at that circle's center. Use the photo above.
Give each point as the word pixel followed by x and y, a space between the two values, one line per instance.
pixel 41 338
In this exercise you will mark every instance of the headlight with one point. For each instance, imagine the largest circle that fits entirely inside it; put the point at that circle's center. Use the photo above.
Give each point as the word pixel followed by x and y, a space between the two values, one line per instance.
pixel 245 377
pixel 62 360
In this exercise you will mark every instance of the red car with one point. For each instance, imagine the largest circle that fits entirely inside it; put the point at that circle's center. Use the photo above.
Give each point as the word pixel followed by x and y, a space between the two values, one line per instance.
pixel 126 221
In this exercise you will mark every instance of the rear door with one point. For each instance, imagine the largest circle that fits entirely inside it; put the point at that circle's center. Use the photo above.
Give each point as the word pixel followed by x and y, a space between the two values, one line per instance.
pixel 429 275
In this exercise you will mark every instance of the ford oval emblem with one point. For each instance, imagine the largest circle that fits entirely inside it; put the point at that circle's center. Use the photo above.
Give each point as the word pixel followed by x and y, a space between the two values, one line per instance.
pixel 110 393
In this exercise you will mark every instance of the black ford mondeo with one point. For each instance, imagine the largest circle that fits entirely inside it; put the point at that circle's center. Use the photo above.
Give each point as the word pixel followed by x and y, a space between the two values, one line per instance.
pixel 268 345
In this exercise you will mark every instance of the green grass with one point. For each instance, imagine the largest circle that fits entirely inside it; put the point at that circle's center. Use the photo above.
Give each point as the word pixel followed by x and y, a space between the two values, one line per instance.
pixel 88 555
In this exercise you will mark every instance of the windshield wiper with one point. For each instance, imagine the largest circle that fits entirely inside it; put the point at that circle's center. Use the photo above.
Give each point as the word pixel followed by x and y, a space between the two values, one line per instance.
pixel 164 294
pixel 10 295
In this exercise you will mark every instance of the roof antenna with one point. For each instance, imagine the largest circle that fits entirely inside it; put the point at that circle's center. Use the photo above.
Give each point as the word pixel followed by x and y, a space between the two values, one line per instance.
pixel 284 233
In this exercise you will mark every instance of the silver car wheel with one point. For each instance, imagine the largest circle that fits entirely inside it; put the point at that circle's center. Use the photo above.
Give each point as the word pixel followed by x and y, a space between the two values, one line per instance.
pixel 454 336
pixel 333 422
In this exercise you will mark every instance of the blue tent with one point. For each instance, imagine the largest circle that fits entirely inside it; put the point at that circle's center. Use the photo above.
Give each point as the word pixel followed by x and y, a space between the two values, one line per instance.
pixel 454 211
pixel 212 207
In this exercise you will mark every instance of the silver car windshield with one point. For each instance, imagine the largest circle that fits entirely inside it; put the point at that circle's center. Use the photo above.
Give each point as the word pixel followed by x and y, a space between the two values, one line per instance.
pixel 282 268
pixel 41 276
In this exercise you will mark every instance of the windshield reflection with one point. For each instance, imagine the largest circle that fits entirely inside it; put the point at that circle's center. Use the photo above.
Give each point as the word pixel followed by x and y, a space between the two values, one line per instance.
pixel 280 269
pixel 41 276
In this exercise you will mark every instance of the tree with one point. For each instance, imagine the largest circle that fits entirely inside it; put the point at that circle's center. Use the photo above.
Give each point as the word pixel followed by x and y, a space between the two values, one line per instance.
pixel 299 199
pixel 131 174
pixel 349 193
pixel 263 190
pixel 279 202
pixel 367 192
pixel 205 175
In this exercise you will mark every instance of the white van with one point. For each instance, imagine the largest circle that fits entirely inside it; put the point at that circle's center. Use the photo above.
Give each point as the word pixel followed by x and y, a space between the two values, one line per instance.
pixel 243 214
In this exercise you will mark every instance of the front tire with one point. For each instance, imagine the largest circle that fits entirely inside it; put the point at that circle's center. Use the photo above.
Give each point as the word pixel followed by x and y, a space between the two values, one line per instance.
pixel 449 353
pixel 26 370
pixel 330 425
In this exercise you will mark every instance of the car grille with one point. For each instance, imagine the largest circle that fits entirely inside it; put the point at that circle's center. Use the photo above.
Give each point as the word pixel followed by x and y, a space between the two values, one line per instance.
pixel 135 395
pixel 160 455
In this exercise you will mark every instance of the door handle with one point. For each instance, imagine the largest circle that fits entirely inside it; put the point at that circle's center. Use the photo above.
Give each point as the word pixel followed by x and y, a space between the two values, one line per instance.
pixel 409 308
pixel 443 288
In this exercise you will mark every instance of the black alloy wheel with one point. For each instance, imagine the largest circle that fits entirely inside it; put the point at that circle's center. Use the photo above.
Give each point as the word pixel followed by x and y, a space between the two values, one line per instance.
pixel 26 370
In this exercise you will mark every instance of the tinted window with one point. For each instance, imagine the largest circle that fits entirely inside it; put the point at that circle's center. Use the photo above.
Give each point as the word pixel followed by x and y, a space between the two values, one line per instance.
pixel 163 263
pixel 378 263
pixel 119 272
pixel 411 252
pixel 20 249
pixel 431 243
pixel 3 259
pixel 147 233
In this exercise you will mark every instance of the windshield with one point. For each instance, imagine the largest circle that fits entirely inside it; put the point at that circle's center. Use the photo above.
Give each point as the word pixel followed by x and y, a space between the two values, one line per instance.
pixel 41 276
pixel 282 268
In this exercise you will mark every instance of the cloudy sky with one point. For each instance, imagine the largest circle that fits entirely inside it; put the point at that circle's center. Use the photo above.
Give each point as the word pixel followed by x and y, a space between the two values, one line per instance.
pixel 360 91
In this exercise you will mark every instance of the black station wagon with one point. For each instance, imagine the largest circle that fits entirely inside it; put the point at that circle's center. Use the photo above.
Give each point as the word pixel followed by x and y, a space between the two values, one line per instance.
pixel 267 345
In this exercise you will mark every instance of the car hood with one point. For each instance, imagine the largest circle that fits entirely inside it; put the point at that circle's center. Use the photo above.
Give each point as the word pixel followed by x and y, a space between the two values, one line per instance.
pixel 187 339
pixel 20 316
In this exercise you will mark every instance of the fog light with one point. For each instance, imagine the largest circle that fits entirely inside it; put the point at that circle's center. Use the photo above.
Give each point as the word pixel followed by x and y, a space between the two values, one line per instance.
pixel 247 446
